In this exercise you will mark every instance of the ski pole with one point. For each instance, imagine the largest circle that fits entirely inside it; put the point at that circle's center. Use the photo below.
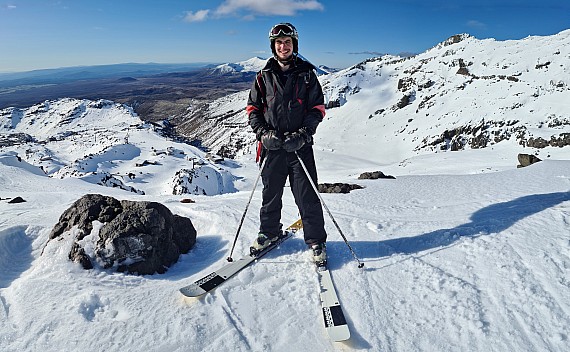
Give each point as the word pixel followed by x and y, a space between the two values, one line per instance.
pixel 360 264
pixel 230 259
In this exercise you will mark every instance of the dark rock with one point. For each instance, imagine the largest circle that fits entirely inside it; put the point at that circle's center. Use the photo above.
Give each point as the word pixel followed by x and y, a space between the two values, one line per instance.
pixel 337 187
pixel 405 84
pixel 374 176
pixel 563 140
pixel 333 104
pixel 78 255
pixel 84 211
pixel 17 200
pixel 454 39
pixel 463 71
pixel 527 159
pixel 405 101
pixel 136 237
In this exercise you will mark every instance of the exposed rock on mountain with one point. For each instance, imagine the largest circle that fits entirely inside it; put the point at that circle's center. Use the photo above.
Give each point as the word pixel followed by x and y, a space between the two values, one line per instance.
pixel 136 237
pixel 337 187
pixel 374 175
pixel 527 159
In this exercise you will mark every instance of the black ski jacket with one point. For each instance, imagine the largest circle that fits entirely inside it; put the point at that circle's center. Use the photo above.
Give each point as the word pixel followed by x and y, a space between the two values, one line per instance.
pixel 300 103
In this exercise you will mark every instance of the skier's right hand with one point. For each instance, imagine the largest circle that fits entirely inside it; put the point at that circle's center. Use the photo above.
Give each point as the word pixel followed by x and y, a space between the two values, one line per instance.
pixel 271 140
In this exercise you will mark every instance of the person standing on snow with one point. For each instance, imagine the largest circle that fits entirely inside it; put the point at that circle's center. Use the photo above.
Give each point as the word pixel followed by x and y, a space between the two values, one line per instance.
pixel 285 106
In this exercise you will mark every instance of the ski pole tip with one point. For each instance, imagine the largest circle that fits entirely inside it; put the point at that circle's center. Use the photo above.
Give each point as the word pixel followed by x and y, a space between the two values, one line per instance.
pixel 361 265
pixel 230 259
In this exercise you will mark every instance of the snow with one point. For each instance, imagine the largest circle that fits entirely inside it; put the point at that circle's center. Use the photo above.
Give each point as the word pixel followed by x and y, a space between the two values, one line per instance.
pixel 462 251
pixel 252 65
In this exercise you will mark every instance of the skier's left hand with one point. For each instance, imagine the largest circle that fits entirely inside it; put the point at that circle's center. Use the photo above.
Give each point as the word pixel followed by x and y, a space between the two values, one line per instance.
pixel 296 140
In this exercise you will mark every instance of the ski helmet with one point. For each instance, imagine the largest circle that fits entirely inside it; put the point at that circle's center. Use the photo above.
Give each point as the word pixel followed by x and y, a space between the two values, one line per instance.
pixel 284 29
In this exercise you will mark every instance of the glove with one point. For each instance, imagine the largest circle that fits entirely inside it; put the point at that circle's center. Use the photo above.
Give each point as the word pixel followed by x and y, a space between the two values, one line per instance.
pixel 296 140
pixel 271 141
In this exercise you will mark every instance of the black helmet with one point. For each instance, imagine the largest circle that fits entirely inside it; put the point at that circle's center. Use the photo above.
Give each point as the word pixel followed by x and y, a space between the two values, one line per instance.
pixel 284 29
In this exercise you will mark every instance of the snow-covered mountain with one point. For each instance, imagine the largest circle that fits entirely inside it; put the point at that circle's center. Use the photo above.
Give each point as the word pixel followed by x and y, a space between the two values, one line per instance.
pixel 255 64
pixel 107 144
pixel 252 66
pixel 464 93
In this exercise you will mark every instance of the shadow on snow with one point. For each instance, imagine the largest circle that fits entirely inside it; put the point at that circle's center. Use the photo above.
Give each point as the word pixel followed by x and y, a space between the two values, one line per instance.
pixel 489 220
pixel 15 254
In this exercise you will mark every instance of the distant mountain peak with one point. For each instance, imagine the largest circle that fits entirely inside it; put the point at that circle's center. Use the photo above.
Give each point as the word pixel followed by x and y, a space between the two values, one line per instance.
pixel 255 64
pixel 250 65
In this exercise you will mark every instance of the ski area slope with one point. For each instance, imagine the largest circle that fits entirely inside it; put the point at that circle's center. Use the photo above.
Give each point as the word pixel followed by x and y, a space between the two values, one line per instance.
pixel 470 262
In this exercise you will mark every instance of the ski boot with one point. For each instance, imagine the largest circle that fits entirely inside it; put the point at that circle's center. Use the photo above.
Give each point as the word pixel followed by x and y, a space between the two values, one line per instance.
pixel 319 254
pixel 261 242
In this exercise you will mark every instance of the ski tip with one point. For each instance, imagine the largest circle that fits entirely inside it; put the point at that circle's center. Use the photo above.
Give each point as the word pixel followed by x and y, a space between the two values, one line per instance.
pixel 192 291
pixel 339 333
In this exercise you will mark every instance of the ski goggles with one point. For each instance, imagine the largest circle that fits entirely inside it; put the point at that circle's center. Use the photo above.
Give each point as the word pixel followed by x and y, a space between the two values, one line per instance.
pixel 282 30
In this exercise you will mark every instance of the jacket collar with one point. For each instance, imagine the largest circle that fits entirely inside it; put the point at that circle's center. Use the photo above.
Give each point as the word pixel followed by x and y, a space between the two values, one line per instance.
pixel 297 64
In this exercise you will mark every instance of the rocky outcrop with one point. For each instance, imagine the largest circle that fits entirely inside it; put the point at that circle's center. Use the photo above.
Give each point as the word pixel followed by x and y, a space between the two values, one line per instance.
pixel 136 237
pixel 337 187
pixel 374 175
pixel 527 159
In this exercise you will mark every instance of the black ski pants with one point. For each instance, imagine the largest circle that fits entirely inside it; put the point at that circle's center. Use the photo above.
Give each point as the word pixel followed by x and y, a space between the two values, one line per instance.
pixel 278 166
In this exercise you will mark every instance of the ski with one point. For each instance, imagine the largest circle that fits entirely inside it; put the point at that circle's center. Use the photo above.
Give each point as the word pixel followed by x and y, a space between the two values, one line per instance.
pixel 335 322
pixel 218 277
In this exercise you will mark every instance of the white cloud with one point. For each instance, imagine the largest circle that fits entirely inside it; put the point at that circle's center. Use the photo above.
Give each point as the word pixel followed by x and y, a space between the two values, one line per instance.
pixel 476 24
pixel 267 7
pixel 197 16
pixel 248 9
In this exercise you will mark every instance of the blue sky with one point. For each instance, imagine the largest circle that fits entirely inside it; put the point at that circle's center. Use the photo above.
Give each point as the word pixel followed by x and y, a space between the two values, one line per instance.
pixel 38 34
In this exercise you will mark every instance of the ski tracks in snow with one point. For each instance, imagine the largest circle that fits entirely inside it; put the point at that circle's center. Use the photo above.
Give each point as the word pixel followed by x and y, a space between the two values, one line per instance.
pixel 279 293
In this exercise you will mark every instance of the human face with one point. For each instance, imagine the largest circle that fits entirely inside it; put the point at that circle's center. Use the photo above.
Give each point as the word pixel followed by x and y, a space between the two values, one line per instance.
pixel 284 48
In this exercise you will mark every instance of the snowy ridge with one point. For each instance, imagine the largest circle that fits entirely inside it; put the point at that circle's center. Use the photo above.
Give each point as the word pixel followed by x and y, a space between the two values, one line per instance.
pixel 252 65
pixel 463 93
pixel 256 64
pixel 107 144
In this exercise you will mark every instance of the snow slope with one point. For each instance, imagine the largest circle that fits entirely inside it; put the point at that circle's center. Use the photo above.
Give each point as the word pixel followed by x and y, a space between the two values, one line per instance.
pixel 452 262
pixel 462 251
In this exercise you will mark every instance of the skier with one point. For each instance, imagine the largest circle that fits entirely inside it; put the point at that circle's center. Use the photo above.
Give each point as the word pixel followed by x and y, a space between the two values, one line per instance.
pixel 285 106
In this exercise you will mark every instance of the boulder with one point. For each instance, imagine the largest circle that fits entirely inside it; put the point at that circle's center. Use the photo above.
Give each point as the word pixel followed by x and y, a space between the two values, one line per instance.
pixel 136 237
pixel 337 187
pixel 16 200
pixel 374 175
pixel 527 159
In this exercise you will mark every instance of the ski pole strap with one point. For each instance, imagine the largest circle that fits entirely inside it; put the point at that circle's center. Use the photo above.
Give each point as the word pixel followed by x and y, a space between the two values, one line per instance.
pixel 360 264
